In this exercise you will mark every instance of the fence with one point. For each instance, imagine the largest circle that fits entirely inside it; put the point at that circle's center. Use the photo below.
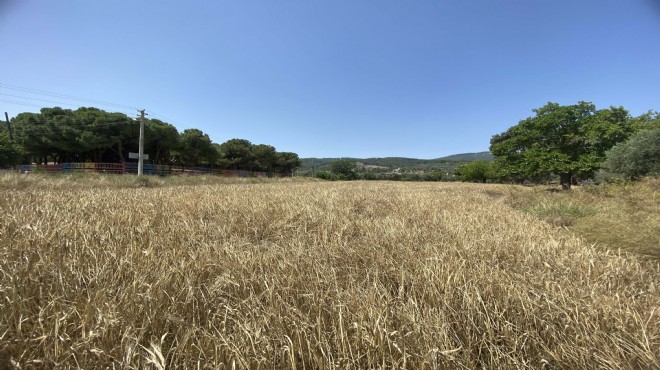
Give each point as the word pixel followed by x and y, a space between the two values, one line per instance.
pixel 147 169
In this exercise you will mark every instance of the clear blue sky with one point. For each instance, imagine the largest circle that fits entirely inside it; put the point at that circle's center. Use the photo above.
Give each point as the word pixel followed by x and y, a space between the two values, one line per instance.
pixel 332 78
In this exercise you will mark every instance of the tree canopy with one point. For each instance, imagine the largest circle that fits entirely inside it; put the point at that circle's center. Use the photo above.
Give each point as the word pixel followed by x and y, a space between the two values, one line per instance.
pixel 568 141
pixel 344 167
pixel 92 135
pixel 634 158
pixel 476 171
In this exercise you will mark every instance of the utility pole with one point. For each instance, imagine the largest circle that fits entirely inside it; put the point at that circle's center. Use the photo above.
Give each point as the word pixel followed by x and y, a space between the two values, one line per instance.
pixel 141 144
pixel 11 132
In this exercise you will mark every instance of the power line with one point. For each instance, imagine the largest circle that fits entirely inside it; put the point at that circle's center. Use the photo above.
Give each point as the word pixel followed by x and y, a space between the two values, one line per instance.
pixel 64 96
pixel 71 97
pixel 43 100
pixel 20 103
pixel 168 120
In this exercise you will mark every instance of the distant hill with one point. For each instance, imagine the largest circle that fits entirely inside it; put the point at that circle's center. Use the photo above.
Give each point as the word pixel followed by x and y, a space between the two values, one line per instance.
pixel 445 164
pixel 469 157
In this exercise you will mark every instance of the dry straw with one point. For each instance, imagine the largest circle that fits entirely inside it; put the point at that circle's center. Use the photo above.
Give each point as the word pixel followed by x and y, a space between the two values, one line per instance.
pixel 311 276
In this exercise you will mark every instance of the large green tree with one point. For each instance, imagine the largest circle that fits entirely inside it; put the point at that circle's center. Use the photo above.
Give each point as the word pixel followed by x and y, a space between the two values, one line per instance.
pixel 10 153
pixel 59 135
pixel 568 141
pixel 345 168
pixel 196 148
pixel 161 140
pixel 236 154
pixel 286 162
pixel 265 157
pixel 91 134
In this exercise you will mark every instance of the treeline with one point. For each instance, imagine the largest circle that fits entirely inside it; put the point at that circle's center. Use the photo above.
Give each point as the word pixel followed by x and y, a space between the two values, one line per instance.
pixel 387 164
pixel 564 143
pixel 572 143
pixel 57 135
pixel 348 169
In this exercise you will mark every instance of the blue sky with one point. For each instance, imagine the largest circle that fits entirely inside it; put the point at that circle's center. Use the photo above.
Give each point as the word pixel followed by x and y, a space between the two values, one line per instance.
pixel 335 78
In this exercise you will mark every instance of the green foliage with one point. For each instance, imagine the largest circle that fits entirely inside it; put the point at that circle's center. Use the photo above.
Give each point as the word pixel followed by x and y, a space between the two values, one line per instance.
pixel 410 165
pixel 325 175
pixel 161 140
pixel 565 140
pixel 241 154
pixel 10 153
pixel 286 162
pixel 90 134
pixel 236 154
pixel 345 168
pixel 633 159
pixel 196 148
pixel 477 171
pixel 86 134
pixel 265 157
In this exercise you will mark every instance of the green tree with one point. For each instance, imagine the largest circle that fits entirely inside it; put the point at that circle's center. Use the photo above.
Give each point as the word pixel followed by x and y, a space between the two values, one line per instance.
pixel 345 168
pixel 161 140
pixel 100 132
pixel 564 140
pixel 635 158
pixel 476 171
pixel 196 148
pixel 29 131
pixel 236 154
pixel 10 153
pixel 264 157
pixel 80 135
pixel 286 162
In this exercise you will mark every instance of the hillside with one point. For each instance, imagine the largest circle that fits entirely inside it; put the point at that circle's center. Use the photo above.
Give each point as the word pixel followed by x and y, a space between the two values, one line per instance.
pixel 444 164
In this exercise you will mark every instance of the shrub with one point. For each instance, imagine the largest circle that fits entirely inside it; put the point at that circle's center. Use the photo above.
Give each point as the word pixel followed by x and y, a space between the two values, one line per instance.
pixel 345 168
pixel 633 159
pixel 325 175
pixel 477 171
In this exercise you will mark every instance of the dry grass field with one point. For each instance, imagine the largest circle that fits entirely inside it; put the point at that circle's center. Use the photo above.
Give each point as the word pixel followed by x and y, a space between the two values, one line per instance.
pixel 309 275
pixel 624 216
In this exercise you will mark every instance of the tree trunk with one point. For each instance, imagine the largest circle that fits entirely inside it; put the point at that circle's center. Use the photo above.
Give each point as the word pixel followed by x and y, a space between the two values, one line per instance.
pixel 565 181
pixel 157 159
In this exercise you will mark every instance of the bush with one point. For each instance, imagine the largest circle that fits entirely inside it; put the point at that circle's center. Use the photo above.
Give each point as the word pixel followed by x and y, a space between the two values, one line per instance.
pixel 369 176
pixel 633 159
pixel 325 175
pixel 344 168
pixel 477 171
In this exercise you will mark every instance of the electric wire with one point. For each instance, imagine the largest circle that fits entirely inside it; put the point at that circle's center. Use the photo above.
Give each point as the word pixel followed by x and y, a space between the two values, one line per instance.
pixel 168 120
pixel 44 100
pixel 65 96
pixel 74 98
pixel 20 103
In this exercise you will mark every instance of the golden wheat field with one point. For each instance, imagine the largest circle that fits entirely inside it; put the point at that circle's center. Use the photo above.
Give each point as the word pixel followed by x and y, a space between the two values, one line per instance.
pixel 311 275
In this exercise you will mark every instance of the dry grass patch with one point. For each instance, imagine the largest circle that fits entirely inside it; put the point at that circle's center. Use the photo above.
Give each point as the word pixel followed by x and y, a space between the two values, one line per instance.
pixel 311 275
pixel 623 216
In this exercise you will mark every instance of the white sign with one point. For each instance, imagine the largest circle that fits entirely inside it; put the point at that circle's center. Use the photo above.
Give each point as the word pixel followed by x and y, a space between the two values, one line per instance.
pixel 132 155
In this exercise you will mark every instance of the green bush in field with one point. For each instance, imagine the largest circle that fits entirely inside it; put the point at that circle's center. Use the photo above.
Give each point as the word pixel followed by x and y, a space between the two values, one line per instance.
pixel 633 159
pixel 325 175
pixel 477 171
pixel 344 168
